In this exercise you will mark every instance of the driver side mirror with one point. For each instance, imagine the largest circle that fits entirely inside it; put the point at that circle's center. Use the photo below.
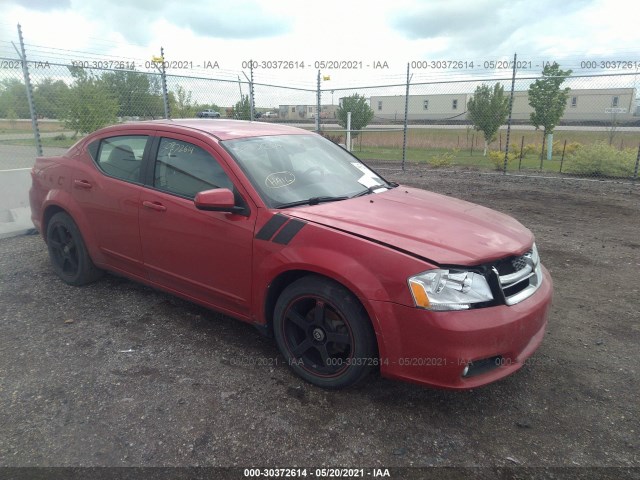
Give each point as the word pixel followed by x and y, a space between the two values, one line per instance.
pixel 217 200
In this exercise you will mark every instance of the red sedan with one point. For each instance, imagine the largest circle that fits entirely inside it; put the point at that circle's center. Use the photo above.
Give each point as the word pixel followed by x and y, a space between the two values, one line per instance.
pixel 278 227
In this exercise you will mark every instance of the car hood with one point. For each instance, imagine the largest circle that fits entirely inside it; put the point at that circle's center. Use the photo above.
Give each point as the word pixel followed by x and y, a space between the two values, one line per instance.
pixel 442 229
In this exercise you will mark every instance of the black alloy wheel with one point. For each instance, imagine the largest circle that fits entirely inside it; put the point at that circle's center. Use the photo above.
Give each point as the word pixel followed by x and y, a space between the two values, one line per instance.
pixel 68 252
pixel 324 333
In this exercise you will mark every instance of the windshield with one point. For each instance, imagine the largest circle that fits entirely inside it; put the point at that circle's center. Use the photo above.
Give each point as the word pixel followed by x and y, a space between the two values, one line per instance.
pixel 287 169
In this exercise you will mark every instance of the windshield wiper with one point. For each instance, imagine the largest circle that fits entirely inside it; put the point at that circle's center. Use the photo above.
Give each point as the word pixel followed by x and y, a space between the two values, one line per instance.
pixel 370 189
pixel 312 201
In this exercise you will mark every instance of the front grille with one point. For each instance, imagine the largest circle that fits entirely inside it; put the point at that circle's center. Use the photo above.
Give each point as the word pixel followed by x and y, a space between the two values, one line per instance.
pixel 519 263
pixel 519 277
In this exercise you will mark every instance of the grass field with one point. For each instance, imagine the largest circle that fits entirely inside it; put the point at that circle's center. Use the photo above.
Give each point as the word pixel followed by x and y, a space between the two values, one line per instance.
pixel 466 138
pixel 24 126
pixel 461 158
pixel 464 147
pixel 461 147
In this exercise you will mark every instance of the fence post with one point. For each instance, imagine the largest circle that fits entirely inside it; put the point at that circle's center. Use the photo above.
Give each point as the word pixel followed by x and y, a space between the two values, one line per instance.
pixel 562 159
pixel 251 93
pixel 348 135
pixel 165 93
pixel 406 115
pixel 319 96
pixel 27 83
pixel 506 145
pixel 544 139
pixel 521 153
pixel 635 172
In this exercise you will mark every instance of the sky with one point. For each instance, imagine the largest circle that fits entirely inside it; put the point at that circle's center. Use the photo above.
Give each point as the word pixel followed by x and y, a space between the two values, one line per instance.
pixel 364 33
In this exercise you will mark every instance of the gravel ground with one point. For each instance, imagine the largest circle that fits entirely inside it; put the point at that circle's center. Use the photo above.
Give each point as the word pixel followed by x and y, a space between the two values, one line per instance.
pixel 117 374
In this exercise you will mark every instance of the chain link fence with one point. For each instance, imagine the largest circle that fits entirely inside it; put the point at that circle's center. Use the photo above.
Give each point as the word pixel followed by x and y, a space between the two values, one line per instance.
pixel 597 133
pixel 588 125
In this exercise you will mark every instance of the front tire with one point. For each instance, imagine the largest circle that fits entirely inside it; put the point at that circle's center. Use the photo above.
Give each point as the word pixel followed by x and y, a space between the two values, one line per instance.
pixel 324 333
pixel 68 252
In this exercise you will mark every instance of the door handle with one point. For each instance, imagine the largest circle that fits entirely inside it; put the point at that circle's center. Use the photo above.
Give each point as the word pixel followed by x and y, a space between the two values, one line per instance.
pixel 157 206
pixel 82 184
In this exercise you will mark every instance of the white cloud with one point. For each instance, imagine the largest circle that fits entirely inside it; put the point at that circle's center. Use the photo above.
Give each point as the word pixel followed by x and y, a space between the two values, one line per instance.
pixel 394 32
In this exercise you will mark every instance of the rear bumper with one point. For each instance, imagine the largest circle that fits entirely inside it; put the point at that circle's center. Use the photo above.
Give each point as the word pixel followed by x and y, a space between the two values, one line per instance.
pixel 34 202
pixel 433 348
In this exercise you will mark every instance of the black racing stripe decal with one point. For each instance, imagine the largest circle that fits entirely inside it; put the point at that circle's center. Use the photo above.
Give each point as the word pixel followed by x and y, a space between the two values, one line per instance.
pixel 271 227
pixel 289 231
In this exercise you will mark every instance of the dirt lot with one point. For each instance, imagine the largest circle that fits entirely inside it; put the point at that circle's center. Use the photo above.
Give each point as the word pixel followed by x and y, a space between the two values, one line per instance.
pixel 117 374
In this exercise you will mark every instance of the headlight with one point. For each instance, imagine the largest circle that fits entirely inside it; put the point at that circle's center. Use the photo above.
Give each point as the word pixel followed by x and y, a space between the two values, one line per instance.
pixel 449 289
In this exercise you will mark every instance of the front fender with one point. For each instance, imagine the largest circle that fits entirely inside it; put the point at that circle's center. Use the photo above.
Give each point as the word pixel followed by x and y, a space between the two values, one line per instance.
pixel 339 266
pixel 372 272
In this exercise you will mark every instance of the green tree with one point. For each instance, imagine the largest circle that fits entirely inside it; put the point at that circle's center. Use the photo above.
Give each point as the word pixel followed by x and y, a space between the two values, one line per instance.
pixel 361 112
pixel 181 104
pixel 549 101
pixel 13 118
pixel 488 110
pixel 13 99
pixel 242 109
pixel 50 98
pixel 156 103
pixel 90 104
pixel 134 93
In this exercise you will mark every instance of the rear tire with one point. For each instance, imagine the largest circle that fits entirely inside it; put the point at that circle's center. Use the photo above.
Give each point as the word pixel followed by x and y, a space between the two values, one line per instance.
pixel 324 333
pixel 68 252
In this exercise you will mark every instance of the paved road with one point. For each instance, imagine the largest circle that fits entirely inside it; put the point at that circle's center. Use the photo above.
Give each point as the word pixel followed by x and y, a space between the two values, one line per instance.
pixel 24 136
pixel 23 156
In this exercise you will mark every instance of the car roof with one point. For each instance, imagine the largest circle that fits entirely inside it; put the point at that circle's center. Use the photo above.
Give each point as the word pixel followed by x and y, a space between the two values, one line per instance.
pixel 223 129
